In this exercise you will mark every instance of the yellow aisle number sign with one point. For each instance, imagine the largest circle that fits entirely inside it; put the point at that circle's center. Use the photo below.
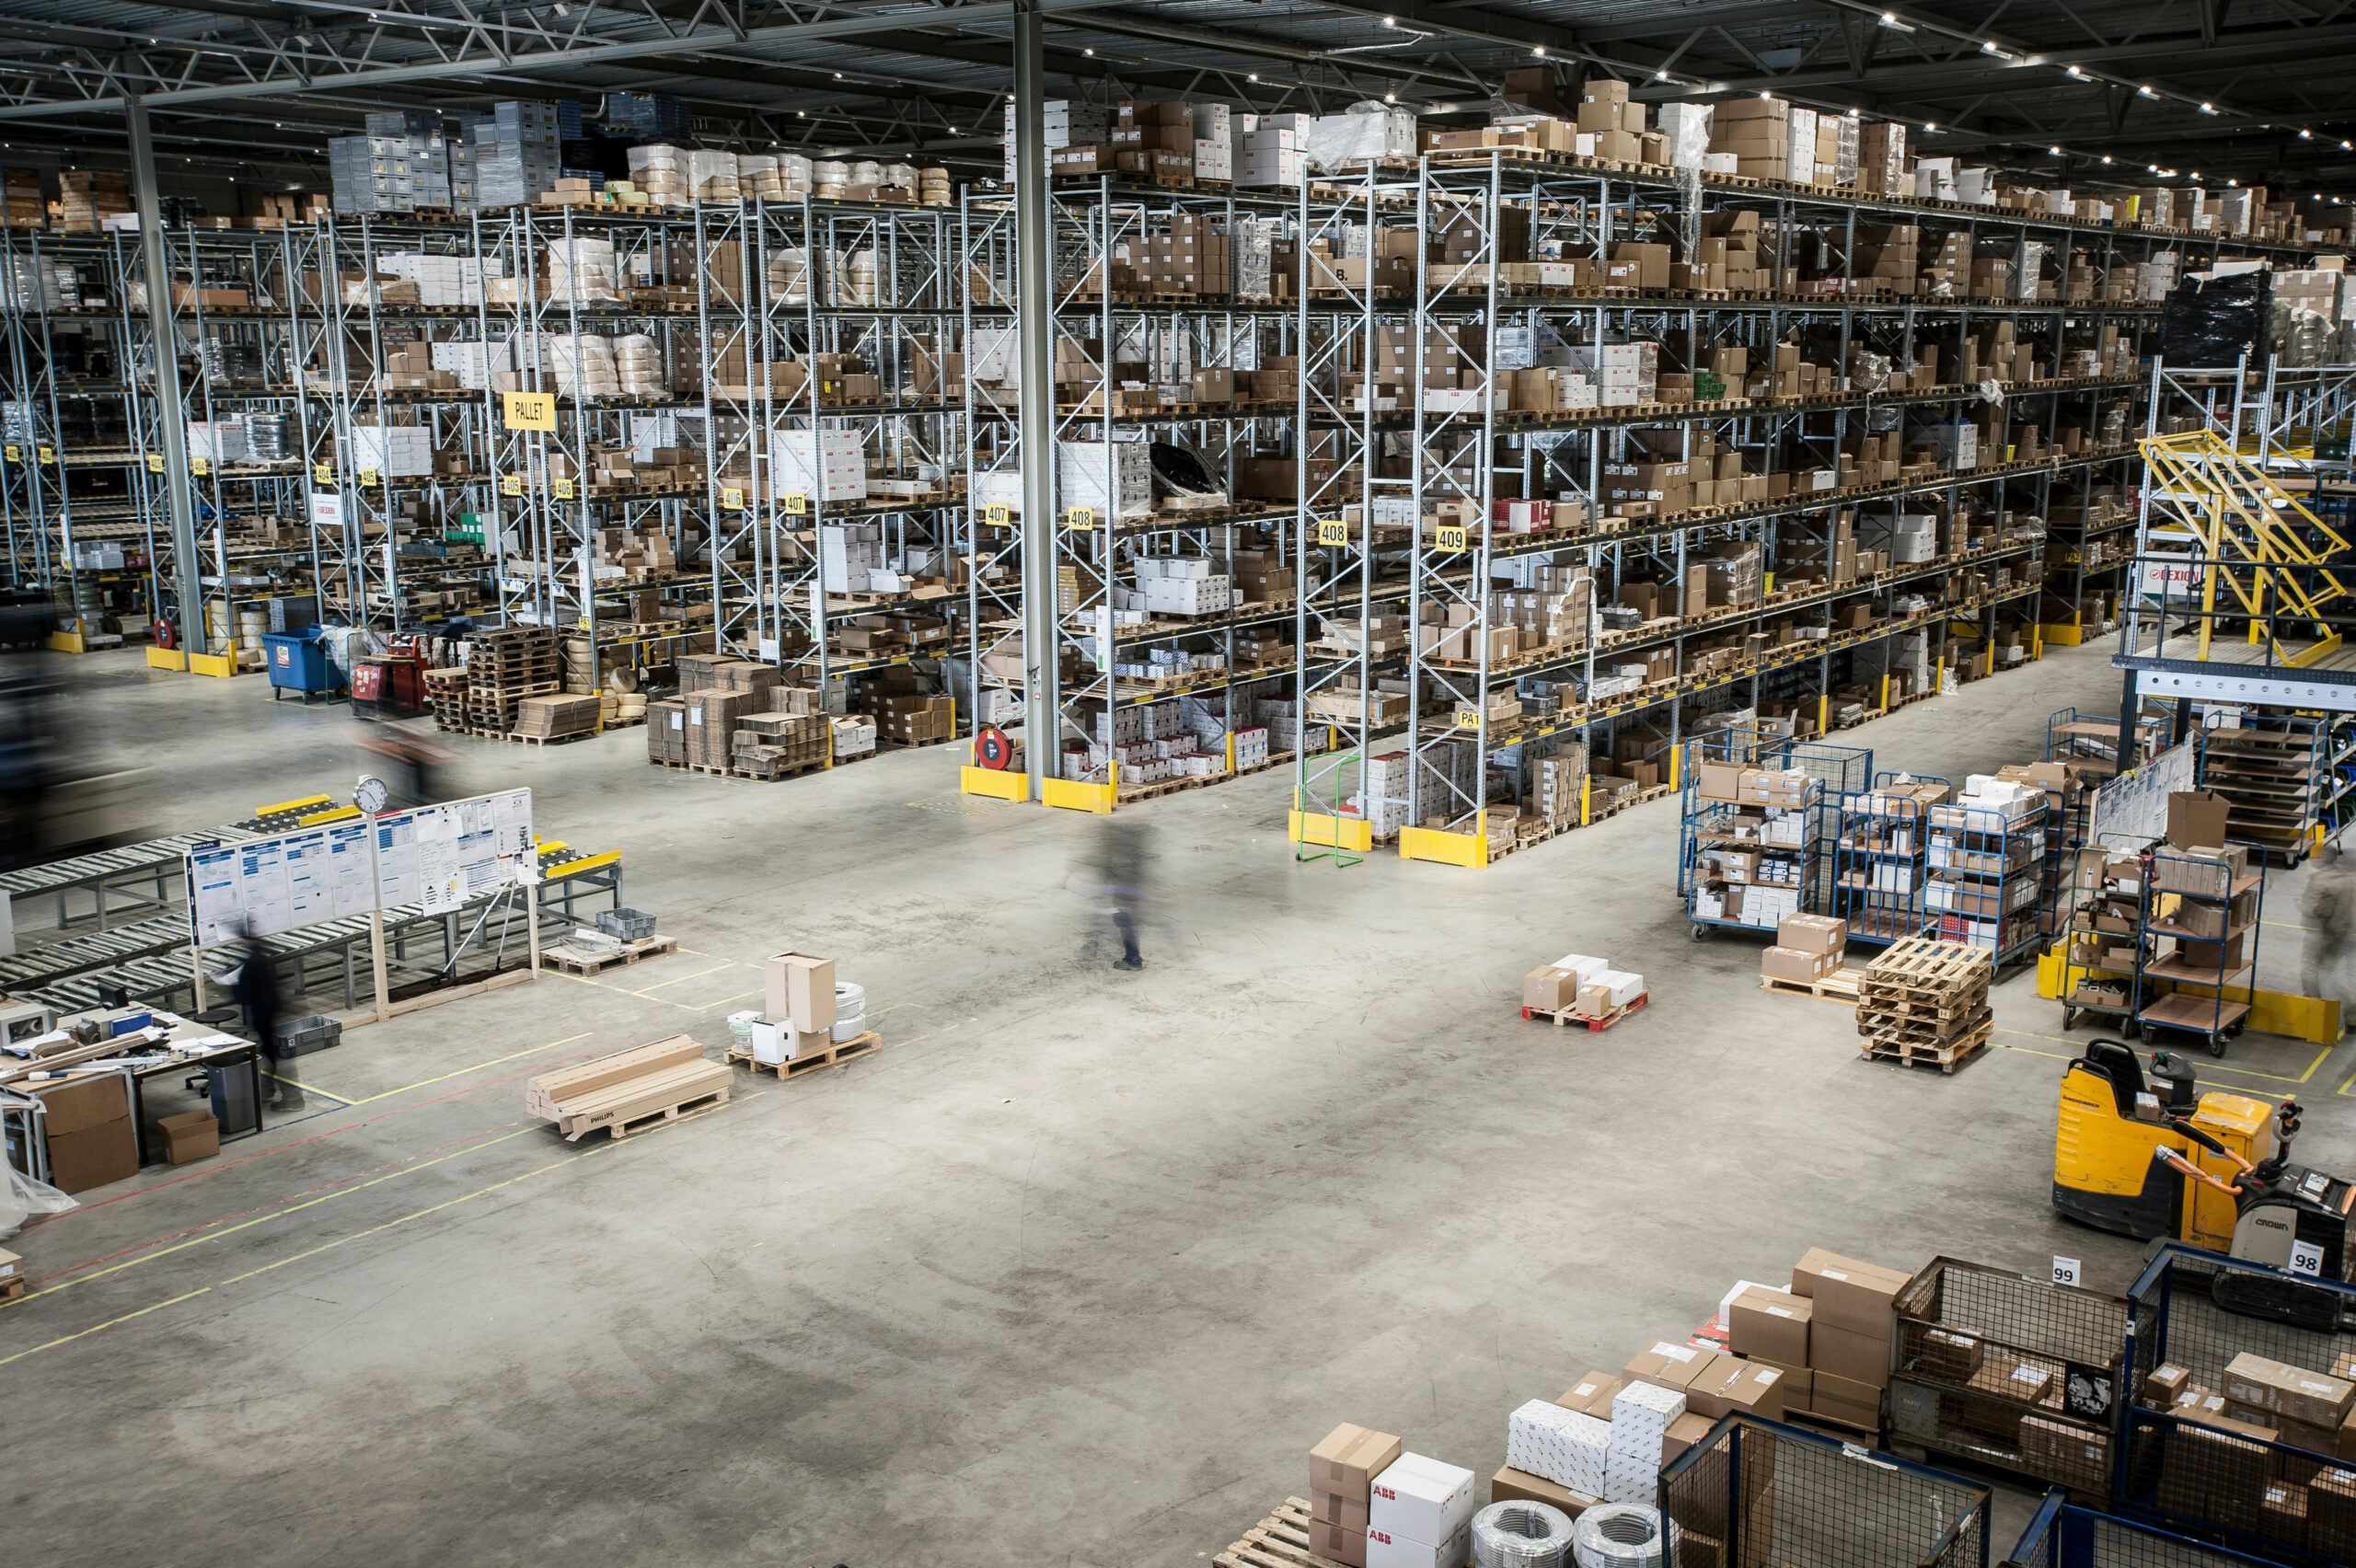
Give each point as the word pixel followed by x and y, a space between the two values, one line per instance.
pixel 1333 532
pixel 1083 517
pixel 795 505
pixel 997 514
pixel 321 474
pixel 563 488
pixel 15 454
pixel 367 478
pixel 1449 539
pixel 733 499
pixel 527 410
pixel 200 465
pixel 511 484
pixel 154 461
pixel 48 455
pixel 1468 719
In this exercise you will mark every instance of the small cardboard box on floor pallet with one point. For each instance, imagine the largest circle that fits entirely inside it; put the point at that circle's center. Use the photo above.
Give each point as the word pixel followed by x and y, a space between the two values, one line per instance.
pixel 798 1014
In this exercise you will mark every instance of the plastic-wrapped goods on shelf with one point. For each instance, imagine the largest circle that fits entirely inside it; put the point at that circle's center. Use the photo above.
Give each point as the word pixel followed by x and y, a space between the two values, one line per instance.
pixel 1687 126
pixel 638 365
pixel 793 174
pixel 867 171
pixel 662 172
pixel 828 176
pixel 580 271
pixel 583 365
pixel 1366 133
pixel 756 178
pixel 712 175
pixel 2302 338
pixel 854 274
pixel 1869 372
pixel 790 276
pixel 266 436
pixel 903 175
pixel 2211 320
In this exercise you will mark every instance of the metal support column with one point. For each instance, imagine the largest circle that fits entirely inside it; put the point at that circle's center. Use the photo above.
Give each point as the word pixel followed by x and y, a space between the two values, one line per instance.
pixel 170 416
pixel 1035 325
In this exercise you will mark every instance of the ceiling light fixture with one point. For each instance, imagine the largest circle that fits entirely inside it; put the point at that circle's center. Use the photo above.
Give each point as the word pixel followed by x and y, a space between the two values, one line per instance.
pixel 1089 52
pixel 2145 92
pixel 2208 108
pixel 1890 20
pixel 1539 49
pixel 1930 125
pixel 2077 75
pixel 2306 135
pixel 2106 158
pixel 2003 54
pixel 2054 151
pixel 1391 97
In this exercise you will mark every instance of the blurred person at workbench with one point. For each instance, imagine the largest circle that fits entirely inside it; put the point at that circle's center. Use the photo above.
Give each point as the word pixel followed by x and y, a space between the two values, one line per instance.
pixel 255 987
pixel 411 766
pixel 2328 904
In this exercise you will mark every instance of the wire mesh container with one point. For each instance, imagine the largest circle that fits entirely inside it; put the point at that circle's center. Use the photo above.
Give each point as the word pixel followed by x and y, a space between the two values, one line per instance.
pixel 2061 1535
pixel 1783 1495
pixel 2017 1373
pixel 2220 1442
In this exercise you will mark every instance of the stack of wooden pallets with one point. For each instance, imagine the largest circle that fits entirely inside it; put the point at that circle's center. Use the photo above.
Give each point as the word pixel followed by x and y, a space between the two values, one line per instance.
pixel 504 667
pixel 629 1091
pixel 1925 1002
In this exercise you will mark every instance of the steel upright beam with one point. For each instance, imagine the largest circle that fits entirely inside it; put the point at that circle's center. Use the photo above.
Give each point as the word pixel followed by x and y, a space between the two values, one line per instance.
pixel 171 417
pixel 1035 328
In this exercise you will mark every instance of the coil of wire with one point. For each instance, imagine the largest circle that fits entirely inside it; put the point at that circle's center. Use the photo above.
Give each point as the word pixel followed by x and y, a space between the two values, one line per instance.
pixel 1521 1535
pixel 1617 1535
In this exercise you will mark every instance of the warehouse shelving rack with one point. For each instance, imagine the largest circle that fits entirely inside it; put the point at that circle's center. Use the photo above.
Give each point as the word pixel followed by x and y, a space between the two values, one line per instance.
pixel 1881 862
pixel 2210 925
pixel 2286 773
pixel 2091 901
pixel 1705 826
pixel 1987 872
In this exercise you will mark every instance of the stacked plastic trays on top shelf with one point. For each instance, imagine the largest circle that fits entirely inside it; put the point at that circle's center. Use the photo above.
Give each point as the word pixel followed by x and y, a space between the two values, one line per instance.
pixel 1986 860
pixel 1757 825
pixel 2200 916
pixel 1879 857
pixel 2281 772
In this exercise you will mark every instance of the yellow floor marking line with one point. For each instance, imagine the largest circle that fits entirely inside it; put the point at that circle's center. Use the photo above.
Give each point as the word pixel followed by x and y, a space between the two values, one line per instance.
pixel 575 1158
pixel 2071 1056
pixel 307 1088
pixel 458 1072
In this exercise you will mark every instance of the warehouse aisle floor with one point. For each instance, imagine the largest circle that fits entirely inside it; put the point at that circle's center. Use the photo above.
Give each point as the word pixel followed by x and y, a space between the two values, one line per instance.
pixel 1074 1270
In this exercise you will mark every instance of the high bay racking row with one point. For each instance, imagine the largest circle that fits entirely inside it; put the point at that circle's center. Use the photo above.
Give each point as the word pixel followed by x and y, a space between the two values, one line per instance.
pixel 932 307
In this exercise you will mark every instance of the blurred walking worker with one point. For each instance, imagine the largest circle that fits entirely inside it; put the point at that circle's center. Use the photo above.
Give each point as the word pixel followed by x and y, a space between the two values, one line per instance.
pixel 2329 905
pixel 1124 873
pixel 257 992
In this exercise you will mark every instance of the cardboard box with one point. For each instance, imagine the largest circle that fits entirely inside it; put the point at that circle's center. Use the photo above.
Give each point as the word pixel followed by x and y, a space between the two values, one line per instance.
pixel 1813 933
pixel 1550 988
pixel 94 1156
pixel 1770 1323
pixel 1591 1395
pixel 2291 1392
pixel 1349 1458
pixel 1860 1358
pixel 193 1135
pixel 1511 1485
pixel 1337 1543
pixel 1839 1398
pixel 1347 1511
pixel 1848 1293
pixel 80 1104
pixel 11 1265
pixel 1419 1498
pixel 1385 1551
pixel 1668 1363
pixel 2197 818
pixel 1790 963
pixel 800 987
pixel 2166 1381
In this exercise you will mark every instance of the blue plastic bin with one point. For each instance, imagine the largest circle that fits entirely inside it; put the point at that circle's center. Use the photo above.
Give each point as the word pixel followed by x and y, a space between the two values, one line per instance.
pixel 298 662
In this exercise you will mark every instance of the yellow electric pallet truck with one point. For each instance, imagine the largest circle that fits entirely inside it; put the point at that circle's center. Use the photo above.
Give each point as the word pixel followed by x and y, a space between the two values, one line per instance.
pixel 2155 1158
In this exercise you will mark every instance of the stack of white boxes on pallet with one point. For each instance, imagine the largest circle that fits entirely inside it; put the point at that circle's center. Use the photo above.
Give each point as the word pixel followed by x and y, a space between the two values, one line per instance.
pixel 1641 1414
pixel 1383 792
pixel 1269 149
pixel 473 363
pixel 1214 146
pixel 1068 122
pixel 824 464
pixel 1098 475
pixel 1374 1505
pixel 219 441
pixel 1569 1448
pixel 849 554
pixel 442 279
pixel 1182 585
pixel 1624 373
pixel 399 451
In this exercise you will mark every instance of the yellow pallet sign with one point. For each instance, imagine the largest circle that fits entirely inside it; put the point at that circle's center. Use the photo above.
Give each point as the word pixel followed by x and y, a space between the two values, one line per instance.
pixel 1333 532
pixel 527 410
pixel 563 488
pixel 997 514
pixel 1082 517
pixel 200 465
pixel 796 505
pixel 154 461
pixel 1451 538
pixel 48 455
pixel 321 474
pixel 368 479
pixel 733 499
pixel 1467 717
pixel 511 484
pixel 14 452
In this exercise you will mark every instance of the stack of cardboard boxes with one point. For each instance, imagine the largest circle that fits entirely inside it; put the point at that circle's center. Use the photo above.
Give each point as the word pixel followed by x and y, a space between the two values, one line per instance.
pixel 1576 983
pixel 1808 947
pixel 798 1015
pixel 1830 1332
pixel 1371 1505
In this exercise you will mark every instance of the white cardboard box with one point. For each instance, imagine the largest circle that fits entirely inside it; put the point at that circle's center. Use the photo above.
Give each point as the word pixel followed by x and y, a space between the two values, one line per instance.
pixel 1386 1550
pixel 1420 1498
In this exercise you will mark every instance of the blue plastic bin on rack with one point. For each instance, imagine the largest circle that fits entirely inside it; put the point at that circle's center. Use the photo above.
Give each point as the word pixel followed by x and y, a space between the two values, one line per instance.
pixel 298 662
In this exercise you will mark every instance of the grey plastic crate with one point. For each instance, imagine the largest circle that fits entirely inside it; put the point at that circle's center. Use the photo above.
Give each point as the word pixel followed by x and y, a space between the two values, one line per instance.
pixel 305 1035
pixel 627 924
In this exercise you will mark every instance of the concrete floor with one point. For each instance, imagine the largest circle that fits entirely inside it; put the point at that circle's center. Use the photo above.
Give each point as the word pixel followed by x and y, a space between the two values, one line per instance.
pixel 1074 1270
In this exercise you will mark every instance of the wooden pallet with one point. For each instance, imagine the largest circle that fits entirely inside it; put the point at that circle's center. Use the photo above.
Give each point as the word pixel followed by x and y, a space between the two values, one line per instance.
pixel 832 1056
pixel 1280 1541
pixel 13 1287
pixel 1563 1018
pixel 573 958
pixel 1884 1028
pixel 1926 967
pixel 550 739
pixel 1946 1056
pixel 620 1130
pixel 1840 986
